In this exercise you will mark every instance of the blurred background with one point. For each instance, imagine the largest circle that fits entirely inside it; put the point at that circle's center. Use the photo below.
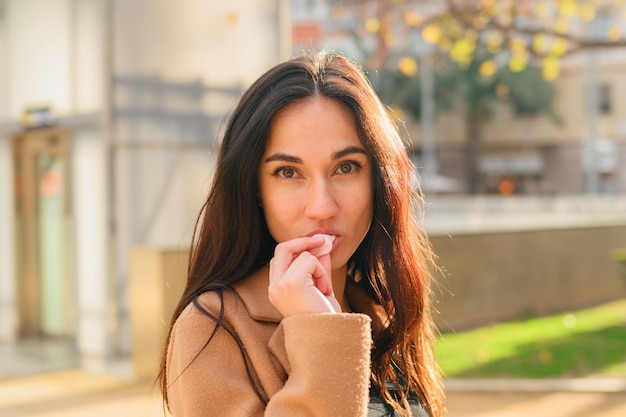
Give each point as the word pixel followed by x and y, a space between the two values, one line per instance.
pixel 111 113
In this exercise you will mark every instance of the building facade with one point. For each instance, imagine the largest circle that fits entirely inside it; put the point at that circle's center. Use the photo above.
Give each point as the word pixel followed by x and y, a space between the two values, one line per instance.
pixel 110 111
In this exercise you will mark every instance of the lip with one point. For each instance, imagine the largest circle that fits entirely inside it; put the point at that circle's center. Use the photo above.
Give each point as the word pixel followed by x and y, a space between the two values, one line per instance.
pixel 323 232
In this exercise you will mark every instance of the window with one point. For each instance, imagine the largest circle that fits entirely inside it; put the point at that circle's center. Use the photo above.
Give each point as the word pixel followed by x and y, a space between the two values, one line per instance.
pixel 604 99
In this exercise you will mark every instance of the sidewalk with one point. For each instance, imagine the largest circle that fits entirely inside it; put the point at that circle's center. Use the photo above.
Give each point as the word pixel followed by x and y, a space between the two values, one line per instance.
pixel 74 393
pixel 586 397
pixel 536 404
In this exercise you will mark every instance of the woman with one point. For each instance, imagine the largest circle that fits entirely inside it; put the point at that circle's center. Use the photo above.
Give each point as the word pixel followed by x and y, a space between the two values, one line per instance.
pixel 308 287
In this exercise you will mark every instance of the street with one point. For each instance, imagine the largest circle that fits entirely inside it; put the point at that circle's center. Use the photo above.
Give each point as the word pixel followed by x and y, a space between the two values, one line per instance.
pixel 74 393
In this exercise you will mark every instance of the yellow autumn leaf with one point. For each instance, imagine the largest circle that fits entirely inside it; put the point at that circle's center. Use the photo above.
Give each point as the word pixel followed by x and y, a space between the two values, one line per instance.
pixel 540 42
pixel 494 42
pixel 487 69
pixel 613 34
pixel 542 9
pixel 232 18
pixel 518 63
pixel 587 12
pixel 372 24
pixel 559 47
pixel 551 68
pixel 408 66
pixel 463 49
pixel 412 18
pixel 561 26
pixel 480 22
pixel 568 8
pixel 517 45
pixel 431 33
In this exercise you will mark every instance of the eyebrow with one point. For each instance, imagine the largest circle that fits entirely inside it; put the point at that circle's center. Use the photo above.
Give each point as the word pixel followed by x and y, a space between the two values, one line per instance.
pixel 348 151
pixel 296 160
pixel 283 157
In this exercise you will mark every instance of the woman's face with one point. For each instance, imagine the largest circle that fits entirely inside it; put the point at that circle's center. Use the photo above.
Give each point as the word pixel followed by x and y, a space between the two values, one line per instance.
pixel 316 177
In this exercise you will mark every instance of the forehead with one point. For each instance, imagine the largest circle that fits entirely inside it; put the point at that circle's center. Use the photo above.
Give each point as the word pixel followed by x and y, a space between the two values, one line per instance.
pixel 313 121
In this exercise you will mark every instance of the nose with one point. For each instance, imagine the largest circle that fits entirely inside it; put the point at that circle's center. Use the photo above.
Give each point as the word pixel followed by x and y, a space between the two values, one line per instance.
pixel 321 202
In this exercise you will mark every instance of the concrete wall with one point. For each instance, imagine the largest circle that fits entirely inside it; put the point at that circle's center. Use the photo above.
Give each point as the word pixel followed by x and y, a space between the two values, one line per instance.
pixel 222 43
pixel 157 280
pixel 494 276
pixel 50 55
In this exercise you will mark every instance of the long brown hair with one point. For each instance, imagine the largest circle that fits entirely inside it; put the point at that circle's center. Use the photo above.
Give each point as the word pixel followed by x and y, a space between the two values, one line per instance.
pixel 394 263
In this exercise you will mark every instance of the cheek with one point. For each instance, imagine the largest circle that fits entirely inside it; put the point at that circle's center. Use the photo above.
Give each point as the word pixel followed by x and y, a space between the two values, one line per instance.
pixel 360 209
pixel 366 213
pixel 279 214
pixel 365 201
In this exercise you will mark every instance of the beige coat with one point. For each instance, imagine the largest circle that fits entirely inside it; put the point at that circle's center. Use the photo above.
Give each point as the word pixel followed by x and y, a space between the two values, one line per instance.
pixel 309 365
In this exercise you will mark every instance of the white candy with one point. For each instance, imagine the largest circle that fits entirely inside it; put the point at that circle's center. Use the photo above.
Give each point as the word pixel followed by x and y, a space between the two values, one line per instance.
pixel 326 247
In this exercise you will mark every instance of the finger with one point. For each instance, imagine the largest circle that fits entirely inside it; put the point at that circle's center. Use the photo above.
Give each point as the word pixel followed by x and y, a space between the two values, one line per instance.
pixel 326 283
pixel 287 251
pixel 311 271
pixel 296 291
pixel 305 271
pixel 326 248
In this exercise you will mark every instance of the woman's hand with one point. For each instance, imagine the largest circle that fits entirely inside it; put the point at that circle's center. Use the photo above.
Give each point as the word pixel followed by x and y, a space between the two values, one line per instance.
pixel 300 282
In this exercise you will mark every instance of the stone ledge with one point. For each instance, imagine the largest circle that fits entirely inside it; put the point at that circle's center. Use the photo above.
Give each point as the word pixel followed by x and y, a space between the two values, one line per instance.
pixel 536 385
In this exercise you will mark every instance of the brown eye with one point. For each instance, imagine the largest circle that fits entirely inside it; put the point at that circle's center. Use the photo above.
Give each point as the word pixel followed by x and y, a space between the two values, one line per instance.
pixel 347 168
pixel 286 173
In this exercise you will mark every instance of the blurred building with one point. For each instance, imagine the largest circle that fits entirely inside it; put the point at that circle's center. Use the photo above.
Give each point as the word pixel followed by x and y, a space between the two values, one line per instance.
pixel 542 157
pixel 532 154
pixel 109 115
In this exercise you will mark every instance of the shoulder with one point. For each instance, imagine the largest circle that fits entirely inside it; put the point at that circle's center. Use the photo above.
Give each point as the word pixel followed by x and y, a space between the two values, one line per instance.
pixel 198 320
pixel 211 306
pixel 206 321
pixel 247 298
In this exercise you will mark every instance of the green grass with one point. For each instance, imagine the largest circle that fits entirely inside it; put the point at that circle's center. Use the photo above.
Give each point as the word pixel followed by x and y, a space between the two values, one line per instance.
pixel 590 342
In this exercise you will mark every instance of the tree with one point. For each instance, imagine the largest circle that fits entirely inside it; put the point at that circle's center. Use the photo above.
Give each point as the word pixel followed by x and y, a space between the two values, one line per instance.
pixel 504 50
pixel 476 90
pixel 540 30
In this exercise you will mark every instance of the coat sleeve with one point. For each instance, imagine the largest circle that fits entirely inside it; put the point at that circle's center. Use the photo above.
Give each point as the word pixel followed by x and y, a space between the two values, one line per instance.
pixel 328 375
pixel 329 356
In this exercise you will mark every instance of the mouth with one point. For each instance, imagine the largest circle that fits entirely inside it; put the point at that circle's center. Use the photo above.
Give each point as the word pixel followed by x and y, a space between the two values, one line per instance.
pixel 326 236
pixel 329 243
